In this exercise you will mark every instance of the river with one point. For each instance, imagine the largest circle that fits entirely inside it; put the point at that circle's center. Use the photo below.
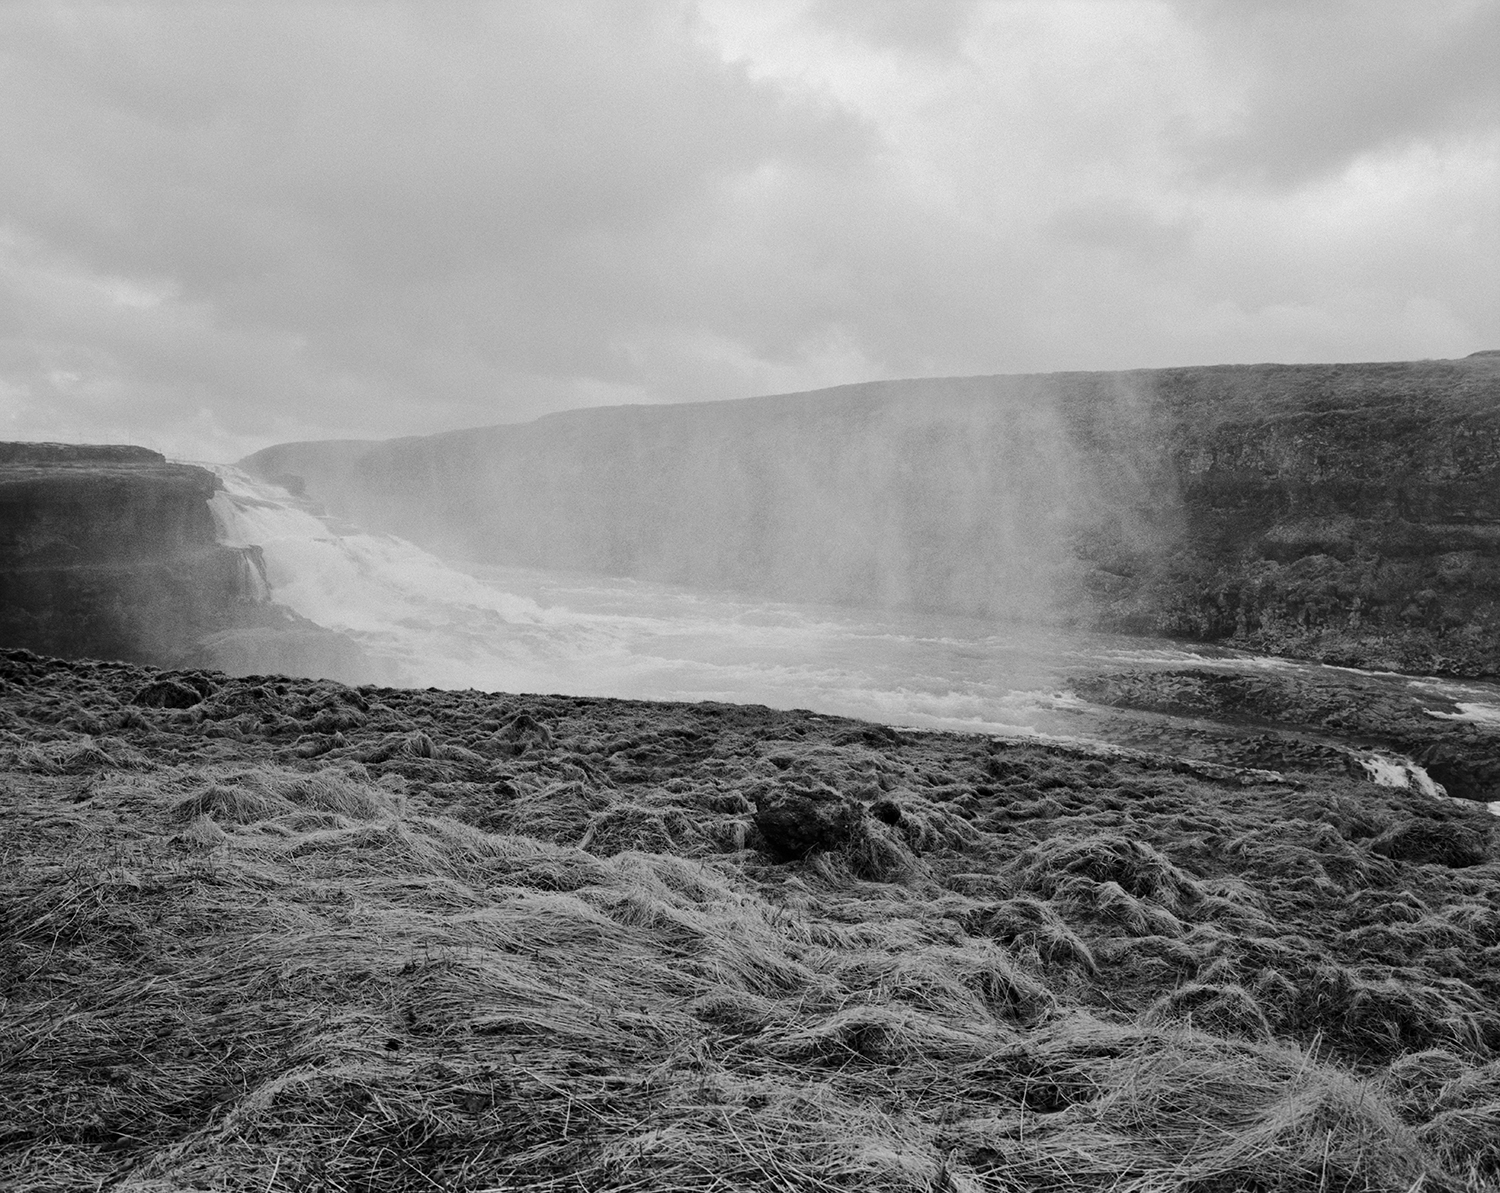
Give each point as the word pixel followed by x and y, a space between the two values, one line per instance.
pixel 423 621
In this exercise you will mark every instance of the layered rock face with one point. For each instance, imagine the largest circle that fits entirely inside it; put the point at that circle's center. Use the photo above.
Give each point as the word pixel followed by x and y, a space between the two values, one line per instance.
pixel 111 552
pixel 1343 512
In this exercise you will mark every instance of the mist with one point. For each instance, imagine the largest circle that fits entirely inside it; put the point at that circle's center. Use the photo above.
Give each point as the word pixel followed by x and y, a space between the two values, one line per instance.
pixel 981 497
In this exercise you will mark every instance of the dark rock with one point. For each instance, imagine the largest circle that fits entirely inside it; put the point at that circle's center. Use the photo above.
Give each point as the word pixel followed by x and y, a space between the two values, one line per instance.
pixel 168 693
pixel 793 824
pixel 78 453
pixel 1393 716
pixel 1468 766
pixel 1442 843
pixel 111 552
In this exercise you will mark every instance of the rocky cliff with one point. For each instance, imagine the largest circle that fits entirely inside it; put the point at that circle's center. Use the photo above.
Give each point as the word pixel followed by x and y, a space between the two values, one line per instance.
pixel 1343 512
pixel 112 552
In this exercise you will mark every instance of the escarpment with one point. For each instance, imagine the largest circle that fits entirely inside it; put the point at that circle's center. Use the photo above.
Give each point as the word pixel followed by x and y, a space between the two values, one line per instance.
pixel 1349 513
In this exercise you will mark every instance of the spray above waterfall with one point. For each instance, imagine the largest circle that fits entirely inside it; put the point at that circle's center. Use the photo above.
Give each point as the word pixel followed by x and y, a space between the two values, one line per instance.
pixel 980 497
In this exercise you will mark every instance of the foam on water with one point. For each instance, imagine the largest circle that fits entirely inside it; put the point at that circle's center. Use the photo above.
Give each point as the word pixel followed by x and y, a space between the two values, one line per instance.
pixel 1480 714
pixel 427 622
pixel 362 583
pixel 424 621
pixel 1388 770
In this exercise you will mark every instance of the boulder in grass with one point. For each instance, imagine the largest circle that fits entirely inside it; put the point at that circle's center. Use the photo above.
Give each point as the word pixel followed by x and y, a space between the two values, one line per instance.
pixel 794 824
pixel 1444 843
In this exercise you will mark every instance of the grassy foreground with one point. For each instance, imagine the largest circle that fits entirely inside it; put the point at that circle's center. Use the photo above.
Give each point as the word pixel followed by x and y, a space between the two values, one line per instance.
pixel 285 935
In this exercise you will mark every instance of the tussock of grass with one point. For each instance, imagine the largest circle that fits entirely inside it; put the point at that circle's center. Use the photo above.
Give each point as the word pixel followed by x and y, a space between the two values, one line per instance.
pixel 879 1033
pixel 1329 1131
pixel 69 755
pixel 1469 1088
pixel 232 805
pixel 1478 921
pixel 926 825
pixel 1136 867
pixel 1396 944
pixel 1414 1080
pixel 1385 1015
pixel 1467 1142
pixel 200 832
pixel 1080 897
pixel 1220 1010
pixel 635 826
pixel 1032 923
pixel 879 854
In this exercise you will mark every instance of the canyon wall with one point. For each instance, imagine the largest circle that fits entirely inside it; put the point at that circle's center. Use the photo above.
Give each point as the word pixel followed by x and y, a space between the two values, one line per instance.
pixel 1349 513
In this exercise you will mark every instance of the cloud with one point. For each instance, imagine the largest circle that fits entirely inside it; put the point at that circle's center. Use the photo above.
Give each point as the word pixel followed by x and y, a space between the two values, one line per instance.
pixel 225 225
pixel 441 207
pixel 935 26
pixel 1319 85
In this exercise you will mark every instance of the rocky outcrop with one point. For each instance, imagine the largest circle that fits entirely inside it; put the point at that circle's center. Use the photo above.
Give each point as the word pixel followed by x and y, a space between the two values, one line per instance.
pixel 112 552
pixel 1345 513
pixel 1311 712
pixel 1349 513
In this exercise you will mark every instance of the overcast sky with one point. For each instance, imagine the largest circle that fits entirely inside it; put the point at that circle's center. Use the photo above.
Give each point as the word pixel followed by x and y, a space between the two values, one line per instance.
pixel 227 225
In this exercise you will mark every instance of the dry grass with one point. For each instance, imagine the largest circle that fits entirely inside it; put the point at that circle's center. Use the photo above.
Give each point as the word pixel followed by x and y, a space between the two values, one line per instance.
pixel 271 973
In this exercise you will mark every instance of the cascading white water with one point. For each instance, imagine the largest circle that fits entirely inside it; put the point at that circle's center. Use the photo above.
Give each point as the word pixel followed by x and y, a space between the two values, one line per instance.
pixel 352 581
pixel 1387 770
pixel 426 622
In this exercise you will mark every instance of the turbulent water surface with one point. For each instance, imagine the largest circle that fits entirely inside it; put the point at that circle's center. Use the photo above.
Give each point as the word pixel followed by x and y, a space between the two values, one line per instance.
pixel 426 622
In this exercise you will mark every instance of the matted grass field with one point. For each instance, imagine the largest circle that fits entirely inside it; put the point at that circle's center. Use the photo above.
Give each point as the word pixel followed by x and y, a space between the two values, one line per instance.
pixel 266 934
